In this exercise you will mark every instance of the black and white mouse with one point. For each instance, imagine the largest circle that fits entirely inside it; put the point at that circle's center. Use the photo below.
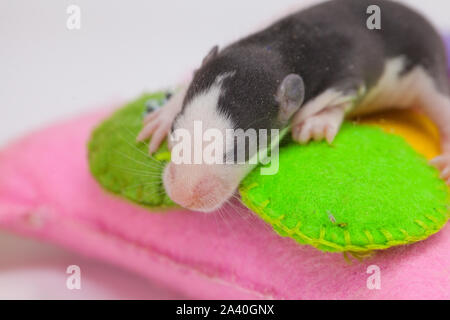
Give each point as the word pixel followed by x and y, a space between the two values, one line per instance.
pixel 307 71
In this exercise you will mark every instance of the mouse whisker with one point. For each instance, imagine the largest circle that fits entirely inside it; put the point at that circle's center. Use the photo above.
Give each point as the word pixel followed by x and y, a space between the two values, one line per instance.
pixel 249 215
pixel 230 205
pixel 138 172
pixel 225 218
pixel 137 161
pixel 144 185
pixel 143 153
pixel 239 210
pixel 257 119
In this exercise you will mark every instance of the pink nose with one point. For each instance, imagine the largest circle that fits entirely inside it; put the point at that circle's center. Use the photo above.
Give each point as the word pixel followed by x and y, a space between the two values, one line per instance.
pixel 201 195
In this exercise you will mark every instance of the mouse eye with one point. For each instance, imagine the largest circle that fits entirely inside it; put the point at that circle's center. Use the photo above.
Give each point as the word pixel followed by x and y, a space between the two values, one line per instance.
pixel 229 157
pixel 240 153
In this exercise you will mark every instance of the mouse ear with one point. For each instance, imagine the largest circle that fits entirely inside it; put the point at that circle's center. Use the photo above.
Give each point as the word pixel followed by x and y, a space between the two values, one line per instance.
pixel 290 96
pixel 211 55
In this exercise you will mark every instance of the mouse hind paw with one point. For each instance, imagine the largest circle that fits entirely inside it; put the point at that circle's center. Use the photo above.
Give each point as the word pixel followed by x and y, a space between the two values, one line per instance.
pixel 324 125
pixel 442 163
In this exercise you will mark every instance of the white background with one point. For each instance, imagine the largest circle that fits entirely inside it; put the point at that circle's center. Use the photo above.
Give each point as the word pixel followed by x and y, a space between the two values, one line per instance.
pixel 123 48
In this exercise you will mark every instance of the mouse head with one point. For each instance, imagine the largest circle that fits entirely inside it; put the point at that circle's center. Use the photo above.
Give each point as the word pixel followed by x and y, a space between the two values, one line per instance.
pixel 233 112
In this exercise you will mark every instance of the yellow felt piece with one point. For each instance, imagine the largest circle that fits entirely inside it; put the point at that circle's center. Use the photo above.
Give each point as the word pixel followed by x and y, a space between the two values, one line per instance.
pixel 414 127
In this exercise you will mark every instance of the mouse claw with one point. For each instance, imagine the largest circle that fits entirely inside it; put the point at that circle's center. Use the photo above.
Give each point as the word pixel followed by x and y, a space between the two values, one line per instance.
pixel 445 173
pixel 303 133
pixel 442 163
pixel 157 130
pixel 150 116
pixel 147 131
pixel 157 138
pixel 330 133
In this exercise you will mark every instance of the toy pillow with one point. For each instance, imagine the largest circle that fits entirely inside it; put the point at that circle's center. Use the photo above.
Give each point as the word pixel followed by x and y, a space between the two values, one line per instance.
pixel 47 191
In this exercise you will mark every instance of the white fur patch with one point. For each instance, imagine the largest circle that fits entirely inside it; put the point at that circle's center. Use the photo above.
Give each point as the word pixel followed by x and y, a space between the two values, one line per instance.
pixel 394 89
pixel 329 98
pixel 204 108
pixel 413 89
pixel 397 90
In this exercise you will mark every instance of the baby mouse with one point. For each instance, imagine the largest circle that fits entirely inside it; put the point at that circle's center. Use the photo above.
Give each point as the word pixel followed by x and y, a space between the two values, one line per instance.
pixel 307 71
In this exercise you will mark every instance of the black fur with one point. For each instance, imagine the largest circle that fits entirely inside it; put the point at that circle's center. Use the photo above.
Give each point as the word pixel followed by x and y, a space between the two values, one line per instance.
pixel 329 46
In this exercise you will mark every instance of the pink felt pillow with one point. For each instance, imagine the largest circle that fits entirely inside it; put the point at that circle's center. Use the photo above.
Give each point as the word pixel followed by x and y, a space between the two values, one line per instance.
pixel 47 192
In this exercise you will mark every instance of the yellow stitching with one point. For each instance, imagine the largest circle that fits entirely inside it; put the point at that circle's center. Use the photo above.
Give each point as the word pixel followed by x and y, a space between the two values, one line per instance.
pixel 360 256
pixel 346 258
pixel 303 236
pixel 422 224
pixel 322 233
pixel 349 247
pixel 251 186
pixel 387 235
pixel 290 231
pixel 331 244
pixel 347 238
pixel 405 233
pixel 264 203
pixel 432 219
pixel 369 236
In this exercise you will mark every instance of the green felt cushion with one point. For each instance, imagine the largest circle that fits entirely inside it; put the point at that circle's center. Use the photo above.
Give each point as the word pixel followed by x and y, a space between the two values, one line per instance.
pixel 370 190
pixel 122 165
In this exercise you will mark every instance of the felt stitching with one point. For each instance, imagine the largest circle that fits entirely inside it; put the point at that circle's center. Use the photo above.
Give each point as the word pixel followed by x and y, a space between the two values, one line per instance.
pixel 252 186
pixel 322 233
pixel 422 224
pixel 369 236
pixel 405 233
pixel 276 222
pixel 387 235
pixel 433 219
pixel 347 237
pixel 265 203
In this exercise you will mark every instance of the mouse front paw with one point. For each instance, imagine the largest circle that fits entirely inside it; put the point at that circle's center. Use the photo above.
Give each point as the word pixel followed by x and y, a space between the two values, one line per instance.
pixel 324 125
pixel 442 163
pixel 156 127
